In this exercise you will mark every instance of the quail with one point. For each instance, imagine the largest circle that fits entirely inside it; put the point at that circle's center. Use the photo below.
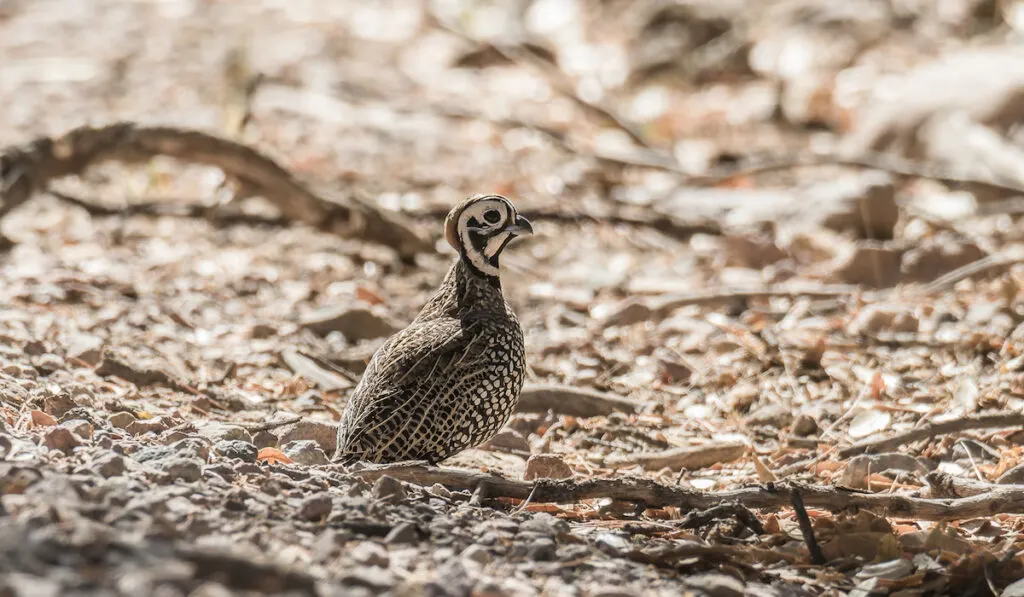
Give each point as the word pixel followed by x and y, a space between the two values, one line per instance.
pixel 451 379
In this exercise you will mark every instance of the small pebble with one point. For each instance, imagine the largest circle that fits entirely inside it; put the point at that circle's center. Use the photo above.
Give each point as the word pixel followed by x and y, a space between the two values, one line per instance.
pixel 61 439
pixel 405 532
pixel 388 489
pixel 546 466
pixel 79 427
pixel 121 420
pixel 192 447
pixel 189 470
pixel 315 507
pixel 477 553
pixel 236 450
pixel 265 439
pixel 305 452
pixel 369 553
pixel 109 465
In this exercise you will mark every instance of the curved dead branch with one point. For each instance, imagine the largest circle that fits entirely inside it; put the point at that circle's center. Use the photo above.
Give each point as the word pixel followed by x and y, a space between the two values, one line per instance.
pixel 654 494
pixel 28 169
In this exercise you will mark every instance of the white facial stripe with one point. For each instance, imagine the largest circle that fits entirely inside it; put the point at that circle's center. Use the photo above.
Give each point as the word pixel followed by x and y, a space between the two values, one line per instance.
pixel 495 243
pixel 481 260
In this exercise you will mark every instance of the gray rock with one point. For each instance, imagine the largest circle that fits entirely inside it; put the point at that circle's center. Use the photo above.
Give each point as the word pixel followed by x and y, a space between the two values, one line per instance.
pixel 546 466
pixel 315 507
pixel 369 553
pixel 237 450
pixel 405 532
pixel 60 438
pixel 121 420
pixel 805 425
pixel 265 439
pixel 542 550
pixel 510 439
pixel 216 432
pixel 79 427
pixel 478 554
pixel 109 465
pixel 58 404
pixel 222 470
pixel 192 447
pixel 324 434
pixel 544 524
pixel 189 470
pixel 143 426
pixel 152 453
pixel 388 489
pixel 355 323
pixel 306 452
pixel 715 585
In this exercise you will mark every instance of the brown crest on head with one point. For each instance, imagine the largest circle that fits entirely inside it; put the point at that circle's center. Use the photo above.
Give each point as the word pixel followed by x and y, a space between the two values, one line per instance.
pixel 480 226
pixel 451 221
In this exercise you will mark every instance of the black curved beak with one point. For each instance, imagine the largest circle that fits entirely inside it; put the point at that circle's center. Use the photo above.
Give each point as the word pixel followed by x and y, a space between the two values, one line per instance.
pixel 519 226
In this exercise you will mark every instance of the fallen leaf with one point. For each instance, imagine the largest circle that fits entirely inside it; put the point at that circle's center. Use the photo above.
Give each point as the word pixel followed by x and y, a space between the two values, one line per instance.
pixel 868 422
pixel 368 296
pixel 273 456
pixel 41 419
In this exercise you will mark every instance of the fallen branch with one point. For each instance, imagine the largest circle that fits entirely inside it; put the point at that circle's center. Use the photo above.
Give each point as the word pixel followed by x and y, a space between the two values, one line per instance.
pixel 929 430
pixel 28 169
pixel 654 494
pixel 215 214
pixel 574 402
pixel 690 457
pixel 986 265
pixel 890 163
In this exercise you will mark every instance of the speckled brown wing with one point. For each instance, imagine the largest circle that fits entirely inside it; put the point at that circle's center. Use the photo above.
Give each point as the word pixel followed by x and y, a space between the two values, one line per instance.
pixel 402 384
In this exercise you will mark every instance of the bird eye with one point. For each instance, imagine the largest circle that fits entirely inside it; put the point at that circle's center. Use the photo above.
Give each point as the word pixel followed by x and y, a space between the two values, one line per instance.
pixel 492 216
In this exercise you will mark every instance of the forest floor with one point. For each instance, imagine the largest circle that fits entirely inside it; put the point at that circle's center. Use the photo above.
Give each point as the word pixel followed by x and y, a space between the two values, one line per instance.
pixel 162 431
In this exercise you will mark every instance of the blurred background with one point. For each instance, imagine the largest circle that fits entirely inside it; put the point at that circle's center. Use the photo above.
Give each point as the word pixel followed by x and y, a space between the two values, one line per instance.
pixel 866 151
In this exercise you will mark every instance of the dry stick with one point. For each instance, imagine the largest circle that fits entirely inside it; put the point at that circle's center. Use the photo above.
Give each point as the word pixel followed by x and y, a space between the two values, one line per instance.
pixel 945 485
pixel 215 214
pixel 1003 419
pixel 257 427
pixel 817 558
pixel 30 168
pixel 877 161
pixel 986 265
pixel 654 494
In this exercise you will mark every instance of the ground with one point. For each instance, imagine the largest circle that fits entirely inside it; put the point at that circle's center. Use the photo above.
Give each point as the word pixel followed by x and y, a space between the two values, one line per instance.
pixel 164 429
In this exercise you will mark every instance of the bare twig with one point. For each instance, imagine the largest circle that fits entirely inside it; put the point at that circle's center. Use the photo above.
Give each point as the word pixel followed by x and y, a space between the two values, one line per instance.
pixel 990 421
pixel 690 457
pixel 216 214
pixel 893 164
pixel 817 558
pixel 257 427
pixel 28 169
pixel 654 494
pixel 945 485
pixel 575 402
pixel 695 520
pixel 316 370
pixel 986 265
